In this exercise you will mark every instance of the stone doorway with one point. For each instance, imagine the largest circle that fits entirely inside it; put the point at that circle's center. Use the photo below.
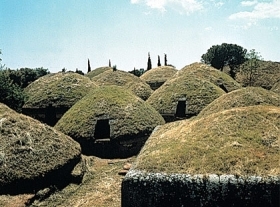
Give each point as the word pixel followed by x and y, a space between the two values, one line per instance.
pixel 102 129
pixel 181 109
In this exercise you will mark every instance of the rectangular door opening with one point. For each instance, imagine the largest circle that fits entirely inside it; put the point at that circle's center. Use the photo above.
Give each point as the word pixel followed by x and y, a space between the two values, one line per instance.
pixel 102 129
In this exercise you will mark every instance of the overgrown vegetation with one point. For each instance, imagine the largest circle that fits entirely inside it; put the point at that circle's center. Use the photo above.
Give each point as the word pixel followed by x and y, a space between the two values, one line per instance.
pixel 241 141
pixel 31 151
pixel 249 68
pixel 219 56
pixel 59 90
pixel 125 79
pixel 248 96
pixel 265 75
pixel 206 72
pixel 131 116
pixel 197 92
pixel 10 94
pixel 159 74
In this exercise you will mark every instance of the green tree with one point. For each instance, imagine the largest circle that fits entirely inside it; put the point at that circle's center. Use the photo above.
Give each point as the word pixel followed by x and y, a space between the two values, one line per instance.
pixel 219 56
pixel 89 68
pixel 10 94
pixel 165 59
pixel 25 76
pixel 149 64
pixel 250 66
pixel 158 64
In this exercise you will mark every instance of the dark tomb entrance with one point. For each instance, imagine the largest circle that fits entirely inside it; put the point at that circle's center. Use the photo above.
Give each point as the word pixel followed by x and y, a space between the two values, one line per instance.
pixel 223 88
pixel 50 115
pixel 181 109
pixel 102 129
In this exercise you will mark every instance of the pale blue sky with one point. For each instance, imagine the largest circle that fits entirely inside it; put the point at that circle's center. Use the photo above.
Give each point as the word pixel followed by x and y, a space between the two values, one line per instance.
pixel 64 33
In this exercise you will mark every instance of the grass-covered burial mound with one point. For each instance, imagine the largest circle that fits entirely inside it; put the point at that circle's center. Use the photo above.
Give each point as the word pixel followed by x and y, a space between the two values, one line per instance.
pixel 203 71
pixel 121 78
pixel 33 155
pixel 98 71
pixel 243 97
pixel 110 122
pixel 229 158
pixel 276 87
pixel 183 97
pixel 50 96
pixel 61 89
pixel 157 76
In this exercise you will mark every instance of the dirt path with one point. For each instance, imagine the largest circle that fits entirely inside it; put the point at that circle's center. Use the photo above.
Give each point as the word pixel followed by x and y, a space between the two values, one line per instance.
pixel 101 186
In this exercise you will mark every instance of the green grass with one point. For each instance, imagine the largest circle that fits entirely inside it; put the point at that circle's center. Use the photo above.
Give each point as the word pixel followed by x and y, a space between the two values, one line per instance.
pixel 267 74
pixel 276 87
pixel 130 114
pixel 60 90
pixel 159 74
pixel 30 149
pixel 206 72
pixel 198 92
pixel 98 71
pixel 241 141
pixel 248 96
pixel 125 79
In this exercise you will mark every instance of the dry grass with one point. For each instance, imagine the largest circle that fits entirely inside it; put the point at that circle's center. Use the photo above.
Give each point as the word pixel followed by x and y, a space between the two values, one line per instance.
pixel 276 87
pixel 248 96
pixel 30 150
pixel 198 93
pixel 206 72
pixel 241 141
pixel 125 79
pixel 59 89
pixel 267 74
pixel 159 74
pixel 101 186
pixel 98 71
pixel 130 114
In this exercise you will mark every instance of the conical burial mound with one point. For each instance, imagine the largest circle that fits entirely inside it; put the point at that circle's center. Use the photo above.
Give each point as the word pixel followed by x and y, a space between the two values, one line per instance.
pixel 98 71
pixel 240 98
pixel 125 79
pixel 195 94
pixel 241 141
pixel 157 76
pixel 203 71
pixel 33 155
pixel 58 89
pixel 109 113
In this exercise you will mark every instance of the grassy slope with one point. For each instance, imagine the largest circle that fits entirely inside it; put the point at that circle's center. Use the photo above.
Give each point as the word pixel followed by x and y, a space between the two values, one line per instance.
pixel 98 71
pixel 199 93
pixel 159 74
pixel 131 114
pixel 29 148
pixel 248 96
pixel 268 74
pixel 203 71
pixel 125 79
pixel 240 141
pixel 60 89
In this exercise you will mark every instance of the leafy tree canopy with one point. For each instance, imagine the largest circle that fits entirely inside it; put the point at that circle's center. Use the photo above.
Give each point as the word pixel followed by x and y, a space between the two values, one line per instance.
pixel 10 94
pixel 249 68
pixel 24 76
pixel 219 56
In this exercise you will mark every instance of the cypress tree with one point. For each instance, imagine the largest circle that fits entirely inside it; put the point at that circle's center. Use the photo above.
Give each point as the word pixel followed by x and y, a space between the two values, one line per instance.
pixel 109 63
pixel 158 64
pixel 89 68
pixel 149 66
pixel 165 59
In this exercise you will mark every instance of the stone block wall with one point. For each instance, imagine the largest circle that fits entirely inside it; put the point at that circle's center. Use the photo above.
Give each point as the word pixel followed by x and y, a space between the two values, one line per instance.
pixel 157 189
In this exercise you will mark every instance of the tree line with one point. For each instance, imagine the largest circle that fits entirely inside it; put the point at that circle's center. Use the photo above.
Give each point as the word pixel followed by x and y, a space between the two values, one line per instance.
pixel 12 82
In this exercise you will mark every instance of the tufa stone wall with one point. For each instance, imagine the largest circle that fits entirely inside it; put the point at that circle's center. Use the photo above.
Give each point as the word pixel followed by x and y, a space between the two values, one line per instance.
pixel 158 189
